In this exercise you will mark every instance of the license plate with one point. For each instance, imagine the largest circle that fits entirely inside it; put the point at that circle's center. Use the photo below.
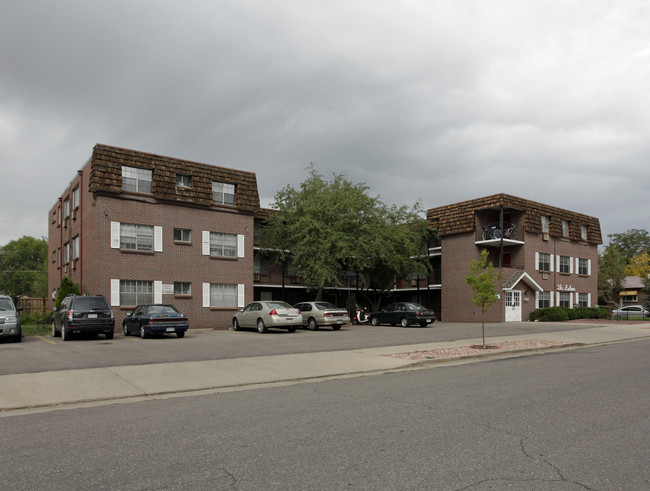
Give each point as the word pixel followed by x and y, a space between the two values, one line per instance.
pixel 92 316
pixel 289 319
pixel 339 321
pixel 428 321
pixel 170 329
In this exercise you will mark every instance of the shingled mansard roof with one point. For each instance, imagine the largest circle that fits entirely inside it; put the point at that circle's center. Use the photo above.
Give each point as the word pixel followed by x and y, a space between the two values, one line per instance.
pixel 106 177
pixel 460 217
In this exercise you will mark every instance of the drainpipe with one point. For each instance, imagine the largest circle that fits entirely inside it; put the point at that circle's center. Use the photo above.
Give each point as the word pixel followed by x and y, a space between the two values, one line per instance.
pixel 81 228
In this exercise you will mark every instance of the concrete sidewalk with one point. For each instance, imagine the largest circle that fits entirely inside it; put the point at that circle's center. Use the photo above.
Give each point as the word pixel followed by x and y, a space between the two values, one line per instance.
pixel 47 389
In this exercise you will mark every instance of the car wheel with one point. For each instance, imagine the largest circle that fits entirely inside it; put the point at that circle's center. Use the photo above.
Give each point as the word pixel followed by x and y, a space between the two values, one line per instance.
pixel 180 334
pixel 261 327
pixel 143 334
pixel 18 338
pixel 55 333
pixel 65 335
pixel 235 324
pixel 374 321
pixel 313 325
pixel 405 322
pixel 109 335
pixel 125 329
pixel 336 327
pixel 291 329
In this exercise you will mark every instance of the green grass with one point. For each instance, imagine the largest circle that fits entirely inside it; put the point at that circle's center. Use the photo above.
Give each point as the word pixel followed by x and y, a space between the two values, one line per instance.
pixel 33 329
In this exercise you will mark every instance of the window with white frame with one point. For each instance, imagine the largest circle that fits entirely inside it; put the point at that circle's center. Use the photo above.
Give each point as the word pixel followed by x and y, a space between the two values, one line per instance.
pixel 182 288
pixel 583 266
pixel 584 232
pixel 223 245
pixel 565 264
pixel 223 295
pixel 54 256
pixel 66 208
pixel 75 247
pixel 544 262
pixel 629 298
pixel 565 299
pixel 136 237
pixel 75 198
pixel 66 253
pixel 565 228
pixel 134 292
pixel 223 193
pixel 182 235
pixel 545 224
pixel 544 300
pixel 136 179
pixel 183 180
pixel 583 299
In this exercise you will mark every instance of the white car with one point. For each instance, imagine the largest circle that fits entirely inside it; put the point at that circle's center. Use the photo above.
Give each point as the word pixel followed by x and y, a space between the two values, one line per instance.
pixel 315 314
pixel 267 313
pixel 631 312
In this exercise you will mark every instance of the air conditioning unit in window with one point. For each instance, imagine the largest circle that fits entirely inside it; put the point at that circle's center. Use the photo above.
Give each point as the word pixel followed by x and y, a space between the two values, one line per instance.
pixel 545 236
pixel 545 276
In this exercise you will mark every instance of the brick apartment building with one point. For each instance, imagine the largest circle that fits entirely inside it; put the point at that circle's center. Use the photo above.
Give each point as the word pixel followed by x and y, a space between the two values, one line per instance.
pixel 547 256
pixel 140 228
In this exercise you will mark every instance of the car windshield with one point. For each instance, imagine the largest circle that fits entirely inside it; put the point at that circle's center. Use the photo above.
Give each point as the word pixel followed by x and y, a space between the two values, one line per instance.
pixel 325 306
pixel 90 304
pixel 278 305
pixel 162 309
pixel 6 304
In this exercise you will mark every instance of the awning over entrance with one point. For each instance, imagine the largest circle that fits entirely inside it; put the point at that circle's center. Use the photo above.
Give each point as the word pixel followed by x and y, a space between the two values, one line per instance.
pixel 514 280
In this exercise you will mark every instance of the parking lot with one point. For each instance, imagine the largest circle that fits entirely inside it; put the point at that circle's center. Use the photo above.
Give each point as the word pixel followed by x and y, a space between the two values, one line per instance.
pixel 45 353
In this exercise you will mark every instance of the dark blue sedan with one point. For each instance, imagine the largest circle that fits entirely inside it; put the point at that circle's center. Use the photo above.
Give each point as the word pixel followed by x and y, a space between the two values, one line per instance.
pixel 156 319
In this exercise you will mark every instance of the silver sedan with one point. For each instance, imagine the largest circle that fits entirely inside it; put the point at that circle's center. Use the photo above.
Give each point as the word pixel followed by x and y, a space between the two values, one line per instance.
pixel 264 314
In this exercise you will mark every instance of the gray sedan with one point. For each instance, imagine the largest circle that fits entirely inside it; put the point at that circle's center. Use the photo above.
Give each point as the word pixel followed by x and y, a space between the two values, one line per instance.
pixel 315 314
pixel 267 313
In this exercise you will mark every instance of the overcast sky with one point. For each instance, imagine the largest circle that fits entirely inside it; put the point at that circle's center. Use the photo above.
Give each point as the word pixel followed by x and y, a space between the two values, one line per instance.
pixel 441 101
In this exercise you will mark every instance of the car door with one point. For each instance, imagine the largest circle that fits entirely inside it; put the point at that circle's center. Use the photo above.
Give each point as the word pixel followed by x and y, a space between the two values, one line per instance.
pixel 133 320
pixel 388 315
pixel 249 315
pixel 305 311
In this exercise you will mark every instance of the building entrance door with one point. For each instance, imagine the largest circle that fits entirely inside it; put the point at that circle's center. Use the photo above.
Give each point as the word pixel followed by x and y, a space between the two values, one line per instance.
pixel 513 306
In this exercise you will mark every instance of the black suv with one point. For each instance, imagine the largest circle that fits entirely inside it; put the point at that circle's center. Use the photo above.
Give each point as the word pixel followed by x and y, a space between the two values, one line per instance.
pixel 83 314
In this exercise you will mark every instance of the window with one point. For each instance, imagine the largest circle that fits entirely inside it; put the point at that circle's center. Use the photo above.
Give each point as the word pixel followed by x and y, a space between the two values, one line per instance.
pixel 136 237
pixel 223 244
pixel 583 299
pixel 182 180
pixel 66 253
pixel 565 228
pixel 54 256
pixel 584 232
pixel 544 263
pixel 565 262
pixel 136 292
pixel 565 299
pixel 544 300
pixel 138 180
pixel 66 208
pixel 182 235
pixel 75 198
pixel 629 298
pixel 181 288
pixel 223 193
pixel 583 267
pixel 75 247
pixel 222 295
pixel 545 224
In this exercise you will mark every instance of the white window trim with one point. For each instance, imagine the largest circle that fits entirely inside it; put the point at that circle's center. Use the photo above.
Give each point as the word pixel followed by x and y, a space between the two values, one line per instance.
pixel 206 294
pixel 115 235
pixel 115 293
pixel 157 292
pixel 240 295
pixel 157 240
pixel 205 244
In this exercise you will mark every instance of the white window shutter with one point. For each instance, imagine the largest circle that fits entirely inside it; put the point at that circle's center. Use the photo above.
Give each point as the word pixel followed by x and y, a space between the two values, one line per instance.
pixel 571 300
pixel 589 267
pixel 588 299
pixel 240 296
pixel 551 299
pixel 552 256
pixel 206 294
pixel 240 246
pixel 157 292
pixel 571 265
pixel 536 299
pixel 557 300
pixel 577 268
pixel 115 293
pixel 115 235
pixel 537 261
pixel 206 243
pixel 157 239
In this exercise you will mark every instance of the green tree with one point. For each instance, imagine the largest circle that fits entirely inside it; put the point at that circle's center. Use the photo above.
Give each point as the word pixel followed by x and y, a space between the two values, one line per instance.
pixel 639 265
pixel 327 228
pixel 22 263
pixel 611 272
pixel 67 288
pixel 482 282
pixel 630 243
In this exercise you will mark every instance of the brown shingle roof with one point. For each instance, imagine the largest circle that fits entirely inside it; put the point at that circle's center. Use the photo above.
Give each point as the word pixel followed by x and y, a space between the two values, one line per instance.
pixel 106 176
pixel 459 217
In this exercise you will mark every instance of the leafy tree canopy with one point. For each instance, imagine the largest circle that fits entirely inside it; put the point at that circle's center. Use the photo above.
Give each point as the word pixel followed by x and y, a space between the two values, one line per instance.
pixel 482 282
pixel 329 227
pixel 67 288
pixel 23 264
pixel 630 243
pixel 611 272
pixel 639 265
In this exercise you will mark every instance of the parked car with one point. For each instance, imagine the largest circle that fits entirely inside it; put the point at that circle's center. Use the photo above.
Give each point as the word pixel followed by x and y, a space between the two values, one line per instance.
pixel 631 312
pixel 316 314
pixel 403 313
pixel 267 313
pixel 83 314
pixel 156 319
pixel 9 320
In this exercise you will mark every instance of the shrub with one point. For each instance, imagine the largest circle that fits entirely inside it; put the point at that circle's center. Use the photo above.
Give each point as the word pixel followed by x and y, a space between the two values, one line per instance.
pixel 561 314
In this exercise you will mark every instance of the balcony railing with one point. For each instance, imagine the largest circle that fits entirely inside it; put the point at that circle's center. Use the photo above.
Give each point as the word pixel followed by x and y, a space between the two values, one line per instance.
pixel 494 232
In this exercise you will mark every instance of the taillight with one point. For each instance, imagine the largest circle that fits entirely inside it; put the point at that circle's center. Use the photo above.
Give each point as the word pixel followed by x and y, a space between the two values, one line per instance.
pixel 418 313
pixel 69 314
pixel 328 314
pixel 273 312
